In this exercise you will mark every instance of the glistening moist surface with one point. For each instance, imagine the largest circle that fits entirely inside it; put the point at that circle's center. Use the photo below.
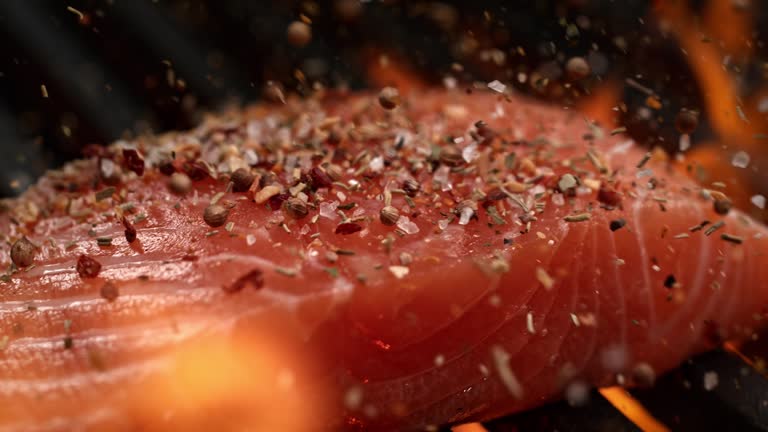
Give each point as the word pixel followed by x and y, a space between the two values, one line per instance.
pixel 524 253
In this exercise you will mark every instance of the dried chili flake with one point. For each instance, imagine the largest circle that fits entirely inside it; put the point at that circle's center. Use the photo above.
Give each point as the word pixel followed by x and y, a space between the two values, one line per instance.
pixel 109 292
pixel 88 267
pixel 133 161
pixel 320 179
pixel 608 195
pixel 275 202
pixel 130 230
pixel 348 228
pixel 254 278
pixel 166 167
pixel 196 170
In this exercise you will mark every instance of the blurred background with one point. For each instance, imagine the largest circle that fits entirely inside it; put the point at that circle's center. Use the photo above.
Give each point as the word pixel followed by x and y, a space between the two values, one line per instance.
pixel 75 73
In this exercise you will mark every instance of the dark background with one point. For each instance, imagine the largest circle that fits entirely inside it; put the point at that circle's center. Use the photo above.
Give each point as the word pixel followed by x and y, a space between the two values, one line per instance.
pixel 132 66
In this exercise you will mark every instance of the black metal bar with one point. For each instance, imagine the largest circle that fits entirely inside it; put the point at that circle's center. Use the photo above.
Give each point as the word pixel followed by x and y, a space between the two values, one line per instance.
pixel 737 401
pixel 596 416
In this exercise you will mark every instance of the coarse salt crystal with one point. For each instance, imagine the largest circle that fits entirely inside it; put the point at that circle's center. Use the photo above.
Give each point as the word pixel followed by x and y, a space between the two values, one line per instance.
pixel 758 201
pixel 399 271
pixel 407 226
pixel 508 378
pixel 644 173
pixel 328 210
pixel 250 239
pixel 740 160
pixel 685 142
pixel 466 215
pixel 711 381
pixel 558 199
pixel 497 86
pixel 470 153
pixel 377 164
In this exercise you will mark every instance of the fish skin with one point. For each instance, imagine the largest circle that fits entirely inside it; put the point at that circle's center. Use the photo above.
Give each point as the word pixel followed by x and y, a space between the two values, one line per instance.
pixel 380 337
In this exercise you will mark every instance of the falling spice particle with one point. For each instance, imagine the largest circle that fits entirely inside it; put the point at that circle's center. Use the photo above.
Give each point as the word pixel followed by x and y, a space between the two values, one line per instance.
pixel 411 187
pixel 581 217
pixel 617 224
pixel 740 159
pixel 577 68
pixel 180 183
pixel 686 121
pixel 87 267
pixel 722 206
pixel 758 201
pixel 295 208
pixel 544 278
pixel 109 291
pixel 347 228
pixel 389 215
pixel 286 271
pixel 508 378
pixel 44 91
pixel 130 230
pixel 133 161
pixel 643 375
pixel 399 271
pixel 299 34
pixel 105 193
pixel 699 227
pixel 104 241
pixel 716 226
pixel 711 380
pixel 389 98
pixel 670 281
pixel 23 252
pixel 731 238
pixel 643 161
pixel 242 179
pixel 215 215
pixel 529 323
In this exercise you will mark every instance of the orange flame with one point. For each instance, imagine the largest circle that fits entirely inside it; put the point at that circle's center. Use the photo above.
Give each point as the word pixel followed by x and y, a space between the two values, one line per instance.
pixel 725 32
pixel 226 384
pixel 387 69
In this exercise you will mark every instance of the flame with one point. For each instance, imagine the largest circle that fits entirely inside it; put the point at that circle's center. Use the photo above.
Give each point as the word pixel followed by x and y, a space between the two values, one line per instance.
pixel 469 427
pixel 388 69
pixel 725 31
pixel 632 409
pixel 599 106
pixel 733 37
pixel 219 383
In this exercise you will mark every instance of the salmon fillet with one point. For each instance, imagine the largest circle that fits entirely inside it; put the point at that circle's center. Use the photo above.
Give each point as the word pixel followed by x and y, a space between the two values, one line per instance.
pixel 329 264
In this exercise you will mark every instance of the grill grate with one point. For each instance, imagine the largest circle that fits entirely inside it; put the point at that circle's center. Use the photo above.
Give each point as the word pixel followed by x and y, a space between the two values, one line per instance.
pixel 679 400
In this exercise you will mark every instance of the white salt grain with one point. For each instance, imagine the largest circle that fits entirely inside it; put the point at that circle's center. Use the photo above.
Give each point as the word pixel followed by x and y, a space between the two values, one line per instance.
pixel 407 226
pixel 758 201
pixel 353 398
pixel 558 200
pixel 508 378
pixel 328 210
pixel 685 142
pixel 466 215
pixel 399 271
pixel 740 160
pixel 497 86
pixel 711 381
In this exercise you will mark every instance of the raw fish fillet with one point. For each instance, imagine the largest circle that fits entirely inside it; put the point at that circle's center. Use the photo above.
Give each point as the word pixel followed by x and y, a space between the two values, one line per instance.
pixel 525 253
